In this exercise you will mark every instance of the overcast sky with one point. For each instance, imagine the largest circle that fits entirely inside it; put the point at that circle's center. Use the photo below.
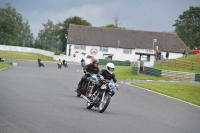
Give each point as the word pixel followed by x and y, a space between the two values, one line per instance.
pixel 148 15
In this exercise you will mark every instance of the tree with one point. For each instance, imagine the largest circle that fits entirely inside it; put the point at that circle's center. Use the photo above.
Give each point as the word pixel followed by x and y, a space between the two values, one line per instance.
pixel 111 26
pixel 188 27
pixel 65 27
pixel 14 30
pixel 48 36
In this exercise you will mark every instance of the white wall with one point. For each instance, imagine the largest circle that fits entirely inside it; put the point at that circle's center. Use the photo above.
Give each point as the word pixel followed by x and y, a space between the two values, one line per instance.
pixel 172 55
pixel 117 52
pixel 26 49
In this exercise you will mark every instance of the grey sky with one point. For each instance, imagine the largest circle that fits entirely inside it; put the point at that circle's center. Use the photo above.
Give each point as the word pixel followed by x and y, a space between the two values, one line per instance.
pixel 148 15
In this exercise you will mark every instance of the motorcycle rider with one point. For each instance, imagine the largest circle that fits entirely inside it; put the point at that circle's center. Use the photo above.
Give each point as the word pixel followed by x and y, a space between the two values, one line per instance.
pixel 108 74
pixel 91 68
pixel 64 61
pixel 39 61
pixel 82 62
pixel 59 64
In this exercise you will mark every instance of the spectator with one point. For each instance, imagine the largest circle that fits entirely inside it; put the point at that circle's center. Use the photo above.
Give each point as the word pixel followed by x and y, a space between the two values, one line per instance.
pixel 184 53
pixel 159 54
pixel 195 51
pixel 167 55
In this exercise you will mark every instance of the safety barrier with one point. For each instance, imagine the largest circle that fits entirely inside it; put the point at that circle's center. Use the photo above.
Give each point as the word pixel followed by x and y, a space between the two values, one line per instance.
pixel 135 70
pixel 176 75
pixel 153 71
pixel 197 77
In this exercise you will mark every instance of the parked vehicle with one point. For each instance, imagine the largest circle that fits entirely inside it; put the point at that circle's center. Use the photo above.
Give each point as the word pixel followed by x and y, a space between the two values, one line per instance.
pixel 2 59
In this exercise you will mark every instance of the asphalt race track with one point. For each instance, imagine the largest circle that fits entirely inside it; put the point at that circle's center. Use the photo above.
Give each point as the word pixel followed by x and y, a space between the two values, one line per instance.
pixel 42 100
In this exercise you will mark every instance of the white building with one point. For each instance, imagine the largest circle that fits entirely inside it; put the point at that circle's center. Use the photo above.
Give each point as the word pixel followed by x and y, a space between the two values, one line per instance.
pixel 120 44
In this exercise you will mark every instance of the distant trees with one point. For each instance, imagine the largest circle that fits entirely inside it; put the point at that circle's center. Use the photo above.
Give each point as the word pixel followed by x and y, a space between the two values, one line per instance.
pixel 65 27
pixel 188 27
pixel 14 29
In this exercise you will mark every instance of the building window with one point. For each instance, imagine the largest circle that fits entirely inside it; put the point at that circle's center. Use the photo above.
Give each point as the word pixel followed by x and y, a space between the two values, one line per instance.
pixel 104 49
pixel 80 47
pixel 127 51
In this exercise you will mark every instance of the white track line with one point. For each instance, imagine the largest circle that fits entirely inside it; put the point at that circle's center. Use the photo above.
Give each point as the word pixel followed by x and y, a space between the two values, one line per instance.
pixel 3 68
pixel 165 95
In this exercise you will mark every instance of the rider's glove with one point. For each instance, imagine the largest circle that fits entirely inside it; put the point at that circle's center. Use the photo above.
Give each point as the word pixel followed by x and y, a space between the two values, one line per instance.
pixel 116 85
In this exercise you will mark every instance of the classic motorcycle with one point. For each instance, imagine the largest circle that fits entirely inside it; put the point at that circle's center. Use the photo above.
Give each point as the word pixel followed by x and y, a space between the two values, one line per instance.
pixel 59 65
pixel 83 64
pixel 65 64
pixel 40 63
pixel 101 98
pixel 88 85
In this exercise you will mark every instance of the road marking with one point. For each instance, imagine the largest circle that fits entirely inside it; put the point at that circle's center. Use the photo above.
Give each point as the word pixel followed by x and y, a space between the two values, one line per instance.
pixel 164 95
pixel 3 68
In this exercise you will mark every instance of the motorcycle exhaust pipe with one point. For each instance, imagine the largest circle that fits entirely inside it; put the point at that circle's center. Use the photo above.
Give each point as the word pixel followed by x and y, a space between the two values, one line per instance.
pixel 86 99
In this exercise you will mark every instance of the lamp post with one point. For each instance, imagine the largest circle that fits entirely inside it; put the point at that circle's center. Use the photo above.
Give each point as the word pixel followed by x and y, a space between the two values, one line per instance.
pixel 154 40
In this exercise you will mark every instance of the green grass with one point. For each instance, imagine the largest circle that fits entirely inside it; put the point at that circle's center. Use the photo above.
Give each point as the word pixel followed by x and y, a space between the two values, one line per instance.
pixel 159 66
pixel 186 92
pixel 195 59
pixel 5 64
pixel 23 56
pixel 125 72
pixel 191 58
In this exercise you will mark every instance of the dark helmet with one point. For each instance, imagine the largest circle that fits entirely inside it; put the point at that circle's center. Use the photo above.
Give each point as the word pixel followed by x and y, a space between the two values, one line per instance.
pixel 96 61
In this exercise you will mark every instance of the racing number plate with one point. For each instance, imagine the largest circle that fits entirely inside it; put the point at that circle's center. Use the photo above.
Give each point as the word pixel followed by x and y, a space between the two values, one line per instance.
pixel 103 87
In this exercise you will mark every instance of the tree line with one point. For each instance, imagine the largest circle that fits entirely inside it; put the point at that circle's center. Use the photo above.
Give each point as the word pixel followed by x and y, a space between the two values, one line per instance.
pixel 15 29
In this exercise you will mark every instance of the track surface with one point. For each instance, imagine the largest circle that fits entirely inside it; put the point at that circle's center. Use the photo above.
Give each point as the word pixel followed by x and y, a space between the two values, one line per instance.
pixel 42 100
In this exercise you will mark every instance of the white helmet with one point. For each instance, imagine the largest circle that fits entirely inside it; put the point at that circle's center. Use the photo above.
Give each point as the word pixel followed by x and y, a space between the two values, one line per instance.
pixel 110 65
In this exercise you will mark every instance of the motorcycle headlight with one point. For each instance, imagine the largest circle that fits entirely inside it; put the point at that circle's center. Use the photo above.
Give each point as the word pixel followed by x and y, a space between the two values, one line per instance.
pixel 111 85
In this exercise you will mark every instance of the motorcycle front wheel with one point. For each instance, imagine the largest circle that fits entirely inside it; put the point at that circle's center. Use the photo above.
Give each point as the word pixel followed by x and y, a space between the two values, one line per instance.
pixel 104 103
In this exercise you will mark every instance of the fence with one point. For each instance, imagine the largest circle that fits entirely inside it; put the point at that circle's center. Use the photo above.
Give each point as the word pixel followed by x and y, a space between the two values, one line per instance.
pixel 52 45
pixel 182 64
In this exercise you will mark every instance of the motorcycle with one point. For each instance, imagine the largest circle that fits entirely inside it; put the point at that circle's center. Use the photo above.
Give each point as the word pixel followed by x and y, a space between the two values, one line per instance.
pixel 88 85
pixel 65 64
pixel 2 59
pixel 59 65
pixel 83 64
pixel 101 98
pixel 40 63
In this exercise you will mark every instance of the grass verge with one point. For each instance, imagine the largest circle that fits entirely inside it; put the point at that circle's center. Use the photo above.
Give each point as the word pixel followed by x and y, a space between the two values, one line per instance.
pixel 160 66
pixel 23 55
pixel 125 72
pixel 5 64
pixel 185 92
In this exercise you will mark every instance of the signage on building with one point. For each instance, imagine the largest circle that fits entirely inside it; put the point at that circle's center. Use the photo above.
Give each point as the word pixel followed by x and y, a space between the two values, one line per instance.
pixel 93 51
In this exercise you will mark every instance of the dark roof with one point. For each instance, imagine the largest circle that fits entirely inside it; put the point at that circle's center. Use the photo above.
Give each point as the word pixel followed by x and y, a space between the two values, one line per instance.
pixel 130 39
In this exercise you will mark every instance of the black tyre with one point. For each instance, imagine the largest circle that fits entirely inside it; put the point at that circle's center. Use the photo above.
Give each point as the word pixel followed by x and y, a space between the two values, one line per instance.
pixel 84 88
pixel 79 93
pixel 104 104
pixel 88 91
